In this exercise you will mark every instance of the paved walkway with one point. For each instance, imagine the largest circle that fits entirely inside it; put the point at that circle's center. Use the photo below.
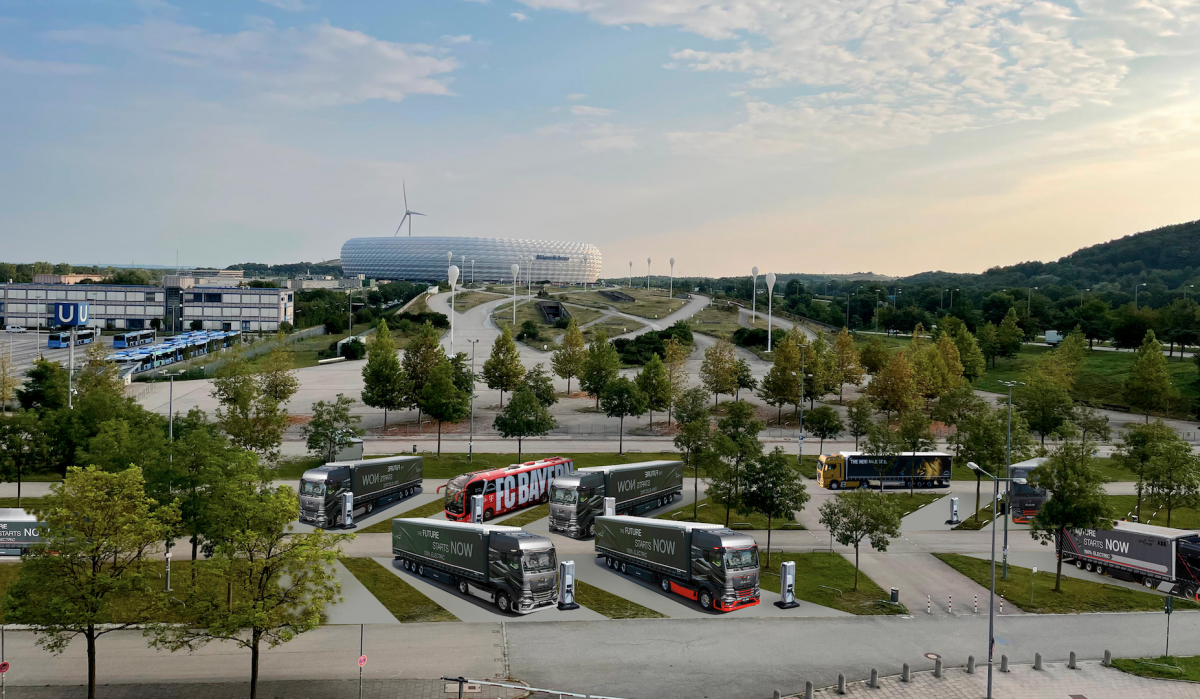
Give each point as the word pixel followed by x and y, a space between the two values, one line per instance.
pixel 309 689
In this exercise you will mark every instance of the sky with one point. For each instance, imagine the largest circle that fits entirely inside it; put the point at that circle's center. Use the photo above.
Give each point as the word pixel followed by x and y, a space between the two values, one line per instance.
pixel 793 135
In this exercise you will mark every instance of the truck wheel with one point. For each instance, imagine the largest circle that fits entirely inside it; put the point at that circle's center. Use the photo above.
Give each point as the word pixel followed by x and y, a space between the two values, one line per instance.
pixel 706 600
pixel 666 584
pixel 1079 564
pixel 503 603
pixel 834 485
pixel 487 515
pixel 592 529
pixel 1188 592
pixel 370 507
pixel 463 588
pixel 1099 570
pixel 1090 567
pixel 1149 582
pixel 624 567
pixel 421 569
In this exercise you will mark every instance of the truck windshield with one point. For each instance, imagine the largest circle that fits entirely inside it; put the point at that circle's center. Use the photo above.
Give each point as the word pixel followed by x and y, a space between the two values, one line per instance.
pixel 741 558
pixel 316 488
pixel 563 496
pixel 538 561
pixel 1026 490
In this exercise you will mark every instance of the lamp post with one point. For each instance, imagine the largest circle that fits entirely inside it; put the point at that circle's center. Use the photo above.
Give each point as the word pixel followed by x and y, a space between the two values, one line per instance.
pixel 770 278
pixel 1007 466
pixel 951 306
pixel 647 274
pixel 515 270
pixel 529 274
pixel 472 272
pixel 471 438
pixel 992 592
pixel 631 274
pixel 1029 302
pixel 1185 290
pixel 452 274
pixel 1135 294
pixel 671 288
pixel 753 293
pixel 1081 297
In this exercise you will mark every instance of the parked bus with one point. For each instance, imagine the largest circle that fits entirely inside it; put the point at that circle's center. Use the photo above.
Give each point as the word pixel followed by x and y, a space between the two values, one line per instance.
pixel 134 338
pixel 503 489
pixel 63 339
pixel 1025 499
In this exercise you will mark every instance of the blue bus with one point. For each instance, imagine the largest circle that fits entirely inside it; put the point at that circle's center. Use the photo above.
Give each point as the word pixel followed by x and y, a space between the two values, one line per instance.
pixel 63 339
pixel 134 338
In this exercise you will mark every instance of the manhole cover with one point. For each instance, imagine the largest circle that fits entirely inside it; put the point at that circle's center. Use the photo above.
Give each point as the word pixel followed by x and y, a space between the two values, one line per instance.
pixel 933 656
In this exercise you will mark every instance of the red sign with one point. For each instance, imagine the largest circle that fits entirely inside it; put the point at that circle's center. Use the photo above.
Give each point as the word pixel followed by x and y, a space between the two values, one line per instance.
pixel 3 668
pixel 362 660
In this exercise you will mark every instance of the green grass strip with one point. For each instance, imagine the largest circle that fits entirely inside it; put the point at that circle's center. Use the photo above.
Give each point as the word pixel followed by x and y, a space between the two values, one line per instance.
pixel 528 516
pixel 1162 667
pixel 385 526
pixel 610 605
pixel 827 579
pixel 404 601
pixel 712 513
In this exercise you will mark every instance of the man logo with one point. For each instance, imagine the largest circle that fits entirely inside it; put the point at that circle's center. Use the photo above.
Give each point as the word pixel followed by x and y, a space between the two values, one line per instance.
pixel 71 313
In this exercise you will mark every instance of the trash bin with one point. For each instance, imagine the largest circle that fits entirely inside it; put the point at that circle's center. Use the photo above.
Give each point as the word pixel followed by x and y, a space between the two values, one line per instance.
pixel 896 595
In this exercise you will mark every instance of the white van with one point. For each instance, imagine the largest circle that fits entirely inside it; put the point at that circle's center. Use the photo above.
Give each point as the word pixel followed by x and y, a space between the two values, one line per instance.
pixel 14 328
pixel 1053 337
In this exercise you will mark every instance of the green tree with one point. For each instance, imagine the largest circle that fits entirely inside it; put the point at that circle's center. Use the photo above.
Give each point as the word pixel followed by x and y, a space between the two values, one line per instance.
pixel 332 427
pixel 278 376
pixel 1076 498
pixel 736 443
pixel 251 419
pixel 524 416
pixel 1138 444
pixel 718 371
pixel 781 385
pixel 442 400
pixel 99 529
pixel 655 384
pixel 695 435
pixel 974 364
pixel 423 354
pixel 503 370
pixel 1045 400
pixel 744 378
pixel 847 362
pixel 1173 475
pixel 542 386
pixel 45 386
pixel 858 418
pixel 1010 335
pixel 383 377
pixel 569 359
pixel 852 517
pixel 197 449
pixel 622 398
pixel 893 388
pixel 956 404
pixel 1148 388
pixel 825 423
pixel 23 447
pixel 874 356
pixel 8 381
pixel 774 489
pixel 278 582
pixel 603 366
pixel 988 339
pixel 674 357
pixel 981 438
pixel 1091 422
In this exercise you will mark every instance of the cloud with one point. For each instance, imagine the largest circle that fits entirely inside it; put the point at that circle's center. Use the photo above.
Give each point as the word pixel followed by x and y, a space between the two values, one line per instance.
pixel 584 110
pixel 460 39
pixel 32 67
pixel 575 96
pixel 320 65
pixel 291 5
pixel 520 17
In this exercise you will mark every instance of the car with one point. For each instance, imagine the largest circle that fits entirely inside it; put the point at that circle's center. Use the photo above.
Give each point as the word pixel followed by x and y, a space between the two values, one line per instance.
pixel 14 328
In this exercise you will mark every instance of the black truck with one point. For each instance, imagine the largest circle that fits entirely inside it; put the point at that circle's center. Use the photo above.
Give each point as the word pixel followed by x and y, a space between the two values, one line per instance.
pixel 1141 553
pixel 576 499
pixel 374 482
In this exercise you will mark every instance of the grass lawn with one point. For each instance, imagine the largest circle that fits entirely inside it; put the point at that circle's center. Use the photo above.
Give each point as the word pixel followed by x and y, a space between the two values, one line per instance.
pixel 1109 469
pixel 612 326
pixel 711 321
pixel 713 513
pixel 420 305
pixel 426 510
pixel 610 605
pixel 1181 517
pixel 833 571
pixel 466 300
pixel 1077 596
pixel 808 467
pixel 27 503
pixel 304 352
pixel 1189 667
pixel 983 519
pixel 651 303
pixel 401 599
pixel 890 342
pixel 294 467
pixel 526 516
pixel 914 502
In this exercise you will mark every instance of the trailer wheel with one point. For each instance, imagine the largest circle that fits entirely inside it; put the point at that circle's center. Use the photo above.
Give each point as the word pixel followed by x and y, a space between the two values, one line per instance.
pixel 1188 592
pixel 503 602
pixel 1090 567
pixel 421 569
pixel 1078 564
pixel 706 600
pixel 624 567
pixel 370 507
pixel 1148 582
pixel 463 588
pixel 666 584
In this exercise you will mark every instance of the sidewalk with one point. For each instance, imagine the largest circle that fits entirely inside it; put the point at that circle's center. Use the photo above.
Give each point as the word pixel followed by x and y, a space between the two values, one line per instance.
pixel 312 689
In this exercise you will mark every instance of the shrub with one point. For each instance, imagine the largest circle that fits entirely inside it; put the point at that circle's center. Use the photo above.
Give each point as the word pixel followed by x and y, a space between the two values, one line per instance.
pixel 286 328
pixel 529 331
pixel 750 337
pixel 438 320
pixel 562 323
pixel 354 349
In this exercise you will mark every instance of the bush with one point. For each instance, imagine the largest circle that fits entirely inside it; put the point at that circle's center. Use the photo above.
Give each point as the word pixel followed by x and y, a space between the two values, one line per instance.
pixel 438 320
pixel 335 326
pixel 404 325
pixel 197 324
pixel 286 328
pixel 529 331
pixel 750 337
pixel 354 349
pixel 638 351
pixel 562 323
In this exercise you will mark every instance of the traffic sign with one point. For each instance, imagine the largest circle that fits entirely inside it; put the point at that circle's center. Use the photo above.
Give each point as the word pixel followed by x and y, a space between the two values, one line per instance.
pixel 362 660
pixel 3 668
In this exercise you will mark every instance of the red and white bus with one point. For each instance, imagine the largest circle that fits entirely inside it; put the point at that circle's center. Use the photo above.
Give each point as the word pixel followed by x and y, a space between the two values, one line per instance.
pixel 504 489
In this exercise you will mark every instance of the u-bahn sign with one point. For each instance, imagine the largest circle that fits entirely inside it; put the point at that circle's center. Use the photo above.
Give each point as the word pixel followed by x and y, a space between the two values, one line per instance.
pixel 71 313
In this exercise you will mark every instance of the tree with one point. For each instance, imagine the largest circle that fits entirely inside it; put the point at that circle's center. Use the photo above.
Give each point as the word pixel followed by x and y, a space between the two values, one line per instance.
pixel 524 416
pixel 278 375
pixel 874 356
pixel 622 398
pixel 1138 444
pixel 930 373
pixel 45 386
pixel 1148 388
pixel 99 529
pixel 1045 399
pixel 196 451
pixel 421 357
pixel 332 427
pixel 655 384
pixel 847 362
pixel 383 377
pixel 825 423
pixel 569 359
pixel 1091 422
pixel 858 416
pixel 542 386
pixel 974 364
pixel 988 339
pixel 22 447
pixel 1010 335
pixel 1173 476
pixel 736 442
pixel 442 400
pixel 250 417
pixel 695 434
pixel 820 369
pixel 603 366
pixel 852 517
pixel 744 378
pixel 1076 498
pixel 956 404
pixel 503 370
pixel 718 371
pixel 674 357
pixel 8 381
pixel 278 582
pixel 914 432
pixel 773 489
pixel 982 438
pixel 893 388
pixel 781 385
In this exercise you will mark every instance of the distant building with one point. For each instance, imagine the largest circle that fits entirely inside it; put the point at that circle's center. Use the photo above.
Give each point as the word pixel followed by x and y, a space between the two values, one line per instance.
pixel 487 259
pixel 65 278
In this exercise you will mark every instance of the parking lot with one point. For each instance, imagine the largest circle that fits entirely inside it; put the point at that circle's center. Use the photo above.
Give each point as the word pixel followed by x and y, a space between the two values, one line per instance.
pixel 24 348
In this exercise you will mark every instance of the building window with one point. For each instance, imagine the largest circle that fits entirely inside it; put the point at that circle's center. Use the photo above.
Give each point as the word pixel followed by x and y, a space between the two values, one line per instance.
pixel 245 325
pixel 212 298
pixel 149 297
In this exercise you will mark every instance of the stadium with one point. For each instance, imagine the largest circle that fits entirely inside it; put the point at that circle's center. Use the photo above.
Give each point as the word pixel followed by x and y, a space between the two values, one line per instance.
pixel 481 259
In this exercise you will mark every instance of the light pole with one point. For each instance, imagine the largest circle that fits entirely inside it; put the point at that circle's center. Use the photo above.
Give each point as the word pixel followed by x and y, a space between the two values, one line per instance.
pixel 1185 290
pixel 1029 302
pixel 529 274
pixel 1135 294
pixel 950 308
pixel 671 288
pixel 647 274
pixel 631 274
pixel 471 438
pixel 452 274
pixel 992 592
pixel 770 278
pixel 753 294
pixel 1007 466
pixel 515 270
pixel 472 272
pixel 1081 297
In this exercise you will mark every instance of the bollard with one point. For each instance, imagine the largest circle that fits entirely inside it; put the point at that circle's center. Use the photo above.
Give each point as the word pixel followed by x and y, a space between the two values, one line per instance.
pixel 905 675
pixel 970 665
pixel 1071 661
pixel 937 668
pixel 874 679
pixel 976 603
pixel 841 683
pixel 776 694
pixel 928 604
pixel 1001 604
pixel 808 690
pixel 950 604
pixel 1037 661
pixel 1108 658
pixel 1003 663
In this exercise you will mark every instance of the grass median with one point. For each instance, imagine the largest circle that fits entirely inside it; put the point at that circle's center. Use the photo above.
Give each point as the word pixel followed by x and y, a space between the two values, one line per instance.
pixel 712 513
pixel 827 579
pixel 426 510
pixel 1153 512
pixel 404 601
pixel 526 516
pixel 1077 596
pixel 1163 667
pixel 610 605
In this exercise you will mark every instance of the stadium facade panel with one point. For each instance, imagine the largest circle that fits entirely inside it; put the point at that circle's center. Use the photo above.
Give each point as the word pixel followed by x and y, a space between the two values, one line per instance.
pixel 424 259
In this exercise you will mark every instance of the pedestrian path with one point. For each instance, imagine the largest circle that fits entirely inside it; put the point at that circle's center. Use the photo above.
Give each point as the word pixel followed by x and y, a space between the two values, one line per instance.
pixel 358 605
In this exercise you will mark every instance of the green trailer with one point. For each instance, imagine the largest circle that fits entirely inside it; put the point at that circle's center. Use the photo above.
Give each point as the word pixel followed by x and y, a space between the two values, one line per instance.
pixel 374 482
pixel 577 498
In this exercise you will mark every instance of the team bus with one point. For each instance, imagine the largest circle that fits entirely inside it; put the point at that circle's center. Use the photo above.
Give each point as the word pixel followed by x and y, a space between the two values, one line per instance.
pixel 82 337
pixel 1025 499
pixel 503 489
pixel 135 338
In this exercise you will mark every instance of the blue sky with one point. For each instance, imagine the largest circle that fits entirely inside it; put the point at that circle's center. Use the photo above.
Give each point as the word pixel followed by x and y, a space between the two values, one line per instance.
pixel 850 135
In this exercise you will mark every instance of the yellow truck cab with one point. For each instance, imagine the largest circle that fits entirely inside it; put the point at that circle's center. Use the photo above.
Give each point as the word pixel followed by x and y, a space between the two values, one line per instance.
pixel 853 469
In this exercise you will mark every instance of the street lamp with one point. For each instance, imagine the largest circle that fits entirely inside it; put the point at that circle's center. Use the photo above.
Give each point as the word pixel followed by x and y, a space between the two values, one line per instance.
pixel 1029 302
pixel 471 438
pixel 770 293
pixel 472 272
pixel 631 274
pixel 1007 466
pixel 452 274
pixel 753 293
pixel 1135 294
pixel 529 274
pixel 1185 290
pixel 647 274
pixel 950 308
pixel 1081 297
pixel 515 270
pixel 671 288
pixel 992 593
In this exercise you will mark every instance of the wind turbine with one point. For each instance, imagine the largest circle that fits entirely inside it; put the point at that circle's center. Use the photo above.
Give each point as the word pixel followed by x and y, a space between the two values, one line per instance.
pixel 407 214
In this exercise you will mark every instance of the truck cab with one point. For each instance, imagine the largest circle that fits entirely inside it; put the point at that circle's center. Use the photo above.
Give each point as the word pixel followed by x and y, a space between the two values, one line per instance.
pixel 321 490
pixel 727 562
pixel 831 472
pixel 526 565
pixel 575 502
